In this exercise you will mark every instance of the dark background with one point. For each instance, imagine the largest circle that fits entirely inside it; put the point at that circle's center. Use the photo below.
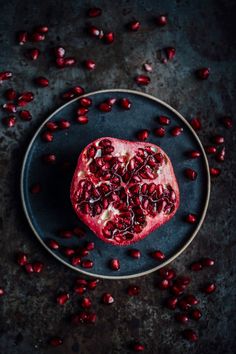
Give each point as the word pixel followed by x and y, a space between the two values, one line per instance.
pixel 202 32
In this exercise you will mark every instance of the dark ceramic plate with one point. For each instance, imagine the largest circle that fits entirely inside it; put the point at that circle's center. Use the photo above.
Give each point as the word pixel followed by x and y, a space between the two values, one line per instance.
pixel 51 210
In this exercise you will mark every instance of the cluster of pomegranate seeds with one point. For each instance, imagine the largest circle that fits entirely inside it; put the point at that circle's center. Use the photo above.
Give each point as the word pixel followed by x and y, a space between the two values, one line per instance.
pixel 37 35
pixel 61 60
pixel 35 267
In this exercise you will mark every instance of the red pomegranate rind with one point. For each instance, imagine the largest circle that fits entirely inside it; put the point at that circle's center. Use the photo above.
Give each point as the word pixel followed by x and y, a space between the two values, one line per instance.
pixel 124 190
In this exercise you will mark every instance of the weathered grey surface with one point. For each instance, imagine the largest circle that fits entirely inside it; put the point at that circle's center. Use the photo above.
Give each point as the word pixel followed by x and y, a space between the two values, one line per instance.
pixel 202 33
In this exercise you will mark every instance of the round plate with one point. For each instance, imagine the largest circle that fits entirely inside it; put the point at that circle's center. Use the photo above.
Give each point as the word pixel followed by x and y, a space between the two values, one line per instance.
pixel 51 210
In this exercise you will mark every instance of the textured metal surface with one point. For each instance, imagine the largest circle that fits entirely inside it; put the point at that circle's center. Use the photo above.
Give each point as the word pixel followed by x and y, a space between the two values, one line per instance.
pixel 202 33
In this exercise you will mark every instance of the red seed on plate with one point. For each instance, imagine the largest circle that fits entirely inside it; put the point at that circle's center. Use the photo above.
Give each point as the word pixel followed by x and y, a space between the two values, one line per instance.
pixel 142 135
pixel 159 132
pixel 66 233
pixel 218 139
pixel 196 314
pixel 94 12
pixel 190 174
pixel 115 264
pixel 55 342
pixel 125 103
pixel 33 53
pixel 90 64
pixel 62 298
pixel 176 131
pixel 210 149
pixel 22 259
pixel 42 81
pixel 47 136
pixel 196 123
pixel 25 115
pixel 35 188
pixel 109 37
pixel 133 290
pixel 10 94
pixel 22 37
pixel 63 124
pixel 208 262
pixel 193 154
pixel 134 25
pixel 164 120
pixel 53 244
pixel 86 303
pixel 38 267
pixel 190 335
pixel 196 266
pixel 158 255
pixel 203 73
pixel 162 20
pixel 90 246
pixel 107 298
pixel 104 107
pixel 227 122
pixel 111 101
pixel 82 119
pixel 76 260
pixel 142 80
pixel 85 102
pixel 191 218
pixel 9 121
pixel 170 53
pixel 81 111
pixel 209 288
pixel 215 172
pixel 68 252
pixel 87 263
pixel 134 253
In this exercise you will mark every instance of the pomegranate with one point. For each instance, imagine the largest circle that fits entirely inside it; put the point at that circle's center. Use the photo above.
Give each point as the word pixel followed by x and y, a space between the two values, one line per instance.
pixel 119 194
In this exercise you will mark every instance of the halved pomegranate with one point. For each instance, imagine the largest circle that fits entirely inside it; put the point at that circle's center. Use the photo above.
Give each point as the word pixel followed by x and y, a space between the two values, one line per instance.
pixel 124 190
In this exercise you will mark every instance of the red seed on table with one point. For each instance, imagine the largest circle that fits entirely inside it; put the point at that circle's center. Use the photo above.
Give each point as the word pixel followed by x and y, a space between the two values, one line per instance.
pixel 33 53
pixel 42 81
pixel 53 244
pixel 90 64
pixel 209 288
pixel 86 303
pixel 167 273
pixel 38 267
pixel 162 20
pixel 159 132
pixel 94 12
pixel 62 298
pixel 171 303
pixel 60 52
pixel 9 107
pixel 164 284
pixel 95 32
pixel 80 289
pixel 10 94
pixel 92 284
pixel 29 268
pixel 25 98
pixel 55 342
pixel 82 119
pixel 41 29
pixel 133 290
pixel 5 75
pixel 147 67
pixel 125 103
pixel 210 149
pixel 47 136
pixel 227 122
pixel 176 131
pixel 207 262
pixel 81 281
pixel 107 298
pixel 142 80
pixel 2 292
pixel 22 37
pixel 220 156
pixel 63 124
pixel 158 255
pixel 177 290
pixel 115 264
pixel 9 121
pixel 134 25
pixel 170 53
pixel 196 314
pixel 134 253
pixel 25 115
pixel 22 259
pixel 194 154
pixel 203 73
pixel 35 188
pixel 183 280
pixel 190 174
pixel 69 61
pixel 196 123
pixel 60 63
pixel 182 318
pixel 142 135
pixel 190 335
pixel 215 172
pixel 138 347
pixel 184 305
pixel 191 218
pixel 87 264
pixel 109 37
pixel 218 139
pixel 191 299
pixel 37 37
pixel 85 102
pixel 104 107
pixel 196 266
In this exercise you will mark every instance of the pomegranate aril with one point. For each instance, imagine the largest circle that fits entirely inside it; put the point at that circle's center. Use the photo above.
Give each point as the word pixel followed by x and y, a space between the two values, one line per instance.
pixel 95 32
pixel 160 132
pixel 78 231
pixel 114 264
pixel 42 81
pixel 142 135
pixel 90 64
pixel 214 171
pixel 167 273
pixel 60 63
pixel 142 80
pixel 62 298
pixel 22 37
pixel 194 154
pixel 90 246
pixel 94 12
pixel 218 139
pixel 162 20
pixel 35 188
pixel 191 299
pixel 111 101
pixel 196 123
pixel 81 111
pixel 91 318
pixel 182 318
pixel 227 122
pixel 52 126
pixel 158 255
pixel 29 268
pixel 80 289
pixel 109 37
pixel 9 107
pixel 87 264
pixel 9 121
pixel 37 37
pixel 33 53
pixel 22 259
pixel 107 298
pixel 69 252
pixel 138 347
pixel 209 288
pixel 134 25
pixel 171 303
pixel 183 281
pixel 190 335
pixel 10 94
pixel 196 314
pixel 104 107
pixel 164 284
pixel 25 115
pixel 125 103
pixel 220 156
pixel 147 67
pixel 92 284
pixel 196 266
pixel 38 267
pixel 76 260
pixel 60 52
pixel 164 120
pixel 66 233
pixel 176 131
pixel 203 73
pixel 47 136
pixel 25 98
pixel 133 290
pixel 210 149
pixel 184 305
pixel 190 174
pixel 63 124
pixel 5 75
pixel 55 342
pixel 85 102
pixel 2 292
pixel 53 244
pixel 191 218
pixel 170 53
pixel 69 61
pixel 49 159
pixel 207 262
pixel 41 29
pixel 177 290
pixel 86 303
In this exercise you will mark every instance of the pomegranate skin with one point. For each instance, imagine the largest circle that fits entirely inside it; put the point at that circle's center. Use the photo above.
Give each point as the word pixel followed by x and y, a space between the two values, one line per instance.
pixel 97 217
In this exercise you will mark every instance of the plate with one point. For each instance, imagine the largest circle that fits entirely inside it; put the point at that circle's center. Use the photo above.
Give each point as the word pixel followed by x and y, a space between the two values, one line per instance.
pixel 50 210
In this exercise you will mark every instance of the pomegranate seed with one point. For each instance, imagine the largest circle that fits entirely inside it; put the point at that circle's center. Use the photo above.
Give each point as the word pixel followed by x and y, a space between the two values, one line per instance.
pixel 142 135
pixel 134 26
pixel 60 63
pixel 167 273
pixel 60 52
pixel 142 80
pixel 22 37
pixel 111 101
pixel 176 131
pixel 25 98
pixel 171 303
pixel 63 124
pixel 133 290
pixel 196 266
pixel 196 123
pixel 2 292
pixel 160 132
pixel 56 342
pixel 9 121
pixel 147 67
pixel 163 284
pixel 94 12
pixel 210 149
pixel 86 303
pixel 42 81
pixel 138 347
pixel 35 188
pixel 22 259
pixel 95 32
pixel 190 174
pixel 220 157
pixel 218 139
pixel 177 290
pixel 190 335
pixel 215 172
pixel 115 264
pixel 5 75
pixel 53 244
pixel 37 37
pixel 9 107
pixel 182 318
pixel 49 159
pixel 52 126
pixel 38 267
pixel 92 284
pixel 85 102
pixel 183 281
pixel 227 122
pixel 194 154
pixel 90 64
pixel 62 298
pixel 66 233
pixel 81 281
pixel 191 299
pixel 25 115
pixel 164 120
pixel 184 305
pixel 82 119
pixel 191 218
pixel 209 288
pixel 107 298
pixel 208 262
pixel 69 252
pixel 158 255
pixel 76 260
pixel 29 268
pixel 41 29
pixel 10 94
pixel 81 111
pixel 80 289
pixel 90 246
pixel 135 253
pixel 109 37
pixel 105 107
pixel 47 136
pixel 69 61
pixel 33 53
pixel 87 264
pixel 92 317
pixel 162 20
pixel 196 314
pixel 125 103
pixel 170 53
pixel 203 73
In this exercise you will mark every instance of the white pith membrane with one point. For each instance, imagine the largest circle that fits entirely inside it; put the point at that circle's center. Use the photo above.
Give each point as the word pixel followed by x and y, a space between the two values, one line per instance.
pixel 124 190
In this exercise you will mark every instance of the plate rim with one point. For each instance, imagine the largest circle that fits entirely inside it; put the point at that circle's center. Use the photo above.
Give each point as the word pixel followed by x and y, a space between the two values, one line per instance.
pixel 192 236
